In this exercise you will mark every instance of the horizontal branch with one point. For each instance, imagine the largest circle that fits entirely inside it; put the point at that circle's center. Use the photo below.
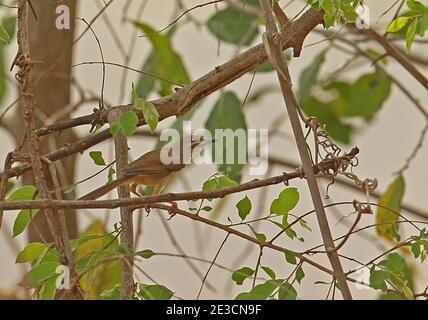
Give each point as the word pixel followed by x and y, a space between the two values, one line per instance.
pixel 325 166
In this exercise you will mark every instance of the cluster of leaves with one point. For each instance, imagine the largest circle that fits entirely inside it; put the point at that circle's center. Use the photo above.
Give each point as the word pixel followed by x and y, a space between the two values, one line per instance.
pixel 335 101
pixel 97 264
pixel 411 23
pixel 393 277
pixel 337 10
pixel 272 288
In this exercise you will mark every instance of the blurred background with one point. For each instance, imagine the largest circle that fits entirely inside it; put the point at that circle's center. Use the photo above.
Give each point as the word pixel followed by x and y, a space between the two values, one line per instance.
pixel 385 143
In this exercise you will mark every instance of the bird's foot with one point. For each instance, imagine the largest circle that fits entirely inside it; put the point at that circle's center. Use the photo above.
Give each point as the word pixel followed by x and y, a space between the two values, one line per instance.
pixel 172 210
pixel 147 208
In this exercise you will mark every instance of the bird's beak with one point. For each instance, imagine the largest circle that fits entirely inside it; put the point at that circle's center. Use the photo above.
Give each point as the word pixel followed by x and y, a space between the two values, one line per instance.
pixel 206 142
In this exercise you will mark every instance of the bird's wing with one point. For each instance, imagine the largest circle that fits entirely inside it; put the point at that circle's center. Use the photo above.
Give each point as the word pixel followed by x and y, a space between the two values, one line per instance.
pixel 150 164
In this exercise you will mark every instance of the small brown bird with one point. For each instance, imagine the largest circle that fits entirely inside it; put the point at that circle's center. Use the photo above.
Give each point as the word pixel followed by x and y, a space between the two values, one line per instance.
pixel 149 170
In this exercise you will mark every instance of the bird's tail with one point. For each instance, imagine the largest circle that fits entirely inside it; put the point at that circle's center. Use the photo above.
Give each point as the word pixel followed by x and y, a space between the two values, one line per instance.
pixel 98 193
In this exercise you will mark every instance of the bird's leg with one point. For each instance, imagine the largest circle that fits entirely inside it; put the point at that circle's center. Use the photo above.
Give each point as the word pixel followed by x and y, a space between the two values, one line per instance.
pixel 133 189
pixel 172 210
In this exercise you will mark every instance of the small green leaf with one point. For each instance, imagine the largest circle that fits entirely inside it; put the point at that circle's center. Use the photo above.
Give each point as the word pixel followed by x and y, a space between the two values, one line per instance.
pixel 151 115
pixel 240 275
pixel 26 192
pixel 287 292
pixel 155 292
pixel 226 182
pixel 111 173
pixel 41 273
pixel 378 279
pixel 128 122
pixel 286 201
pixel 31 252
pixel 290 257
pixel 410 34
pixel 259 236
pixel 4 35
pixel 269 272
pixel 398 24
pixel 417 6
pixel 146 254
pixel 232 26
pixel 97 156
pixel 48 290
pixel 300 274
pixel 115 128
pixel 23 220
pixel 244 207
pixel 386 219
pixel 261 291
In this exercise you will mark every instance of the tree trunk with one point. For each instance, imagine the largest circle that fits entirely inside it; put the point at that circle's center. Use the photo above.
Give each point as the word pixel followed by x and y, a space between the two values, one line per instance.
pixel 51 50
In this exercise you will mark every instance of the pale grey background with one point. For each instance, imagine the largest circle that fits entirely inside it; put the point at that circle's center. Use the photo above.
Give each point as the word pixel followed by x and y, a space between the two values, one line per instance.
pixel 385 144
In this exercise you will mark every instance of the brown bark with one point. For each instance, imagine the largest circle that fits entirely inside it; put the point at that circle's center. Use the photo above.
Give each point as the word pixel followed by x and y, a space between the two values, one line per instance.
pixel 51 49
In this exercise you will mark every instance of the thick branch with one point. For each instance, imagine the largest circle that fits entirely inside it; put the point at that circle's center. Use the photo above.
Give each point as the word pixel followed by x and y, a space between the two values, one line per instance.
pixel 182 100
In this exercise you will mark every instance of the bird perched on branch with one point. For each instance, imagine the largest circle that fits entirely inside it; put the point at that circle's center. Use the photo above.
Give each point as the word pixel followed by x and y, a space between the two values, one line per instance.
pixel 152 169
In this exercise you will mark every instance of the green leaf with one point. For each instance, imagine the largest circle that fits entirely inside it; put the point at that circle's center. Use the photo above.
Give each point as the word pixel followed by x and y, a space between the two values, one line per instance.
pixel 111 294
pixel 48 290
pixel 128 122
pixel 41 273
pixel 244 207
pixel 210 185
pixel 261 291
pixel 378 279
pixel 4 36
pixel 328 117
pixel 398 24
pixel 417 6
pixel 269 272
pixel 23 220
pixel 97 156
pixel 363 98
pixel 394 263
pixel 422 25
pixel 410 34
pixel 111 173
pixel 155 292
pixel 240 275
pixel 309 77
pixel 330 12
pixel 290 257
pixel 287 292
pixel 150 112
pixel 24 217
pixel 218 183
pixel 233 26
pixel 386 220
pixel 24 193
pixel 300 274
pixel 31 252
pixel 286 201
pixel 146 254
pixel 226 182
pixel 259 236
pixel 228 116
pixel 167 63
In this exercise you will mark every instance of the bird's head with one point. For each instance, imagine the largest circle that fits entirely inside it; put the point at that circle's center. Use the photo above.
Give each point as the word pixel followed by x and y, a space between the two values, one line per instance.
pixel 200 141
